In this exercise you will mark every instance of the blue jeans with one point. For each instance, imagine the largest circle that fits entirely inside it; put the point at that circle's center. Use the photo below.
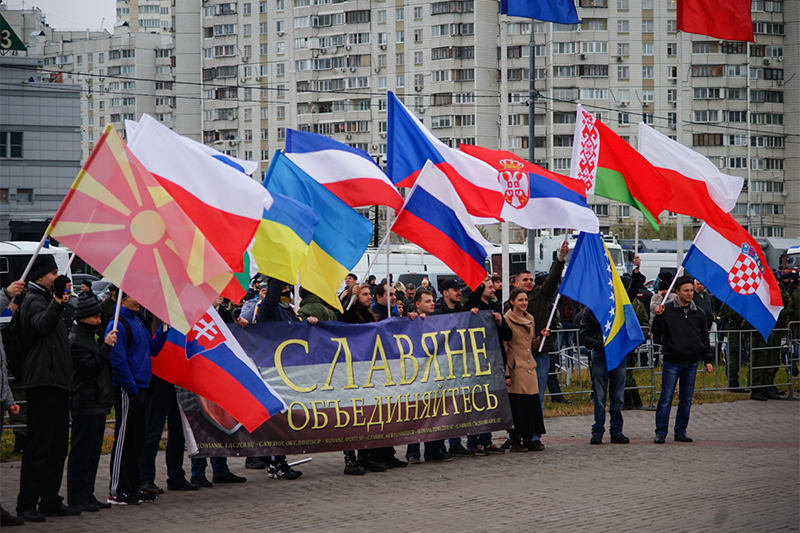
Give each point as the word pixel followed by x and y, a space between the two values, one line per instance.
pixel 219 466
pixel 611 385
pixel 684 375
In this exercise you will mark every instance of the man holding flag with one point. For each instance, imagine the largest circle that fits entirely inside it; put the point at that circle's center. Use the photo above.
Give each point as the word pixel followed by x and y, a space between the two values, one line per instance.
pixel 682 325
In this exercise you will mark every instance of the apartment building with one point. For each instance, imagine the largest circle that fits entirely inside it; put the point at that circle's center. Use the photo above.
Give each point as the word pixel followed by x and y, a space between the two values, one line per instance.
pixel 145 15
pixel 244 71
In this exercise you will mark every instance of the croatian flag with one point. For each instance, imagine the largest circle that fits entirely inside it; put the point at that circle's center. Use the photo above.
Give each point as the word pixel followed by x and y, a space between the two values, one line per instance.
pixel 349 173
pixel 536 198
pixel 210 362
pixel 730 263
pixel 411 145
pixel 435 218
pixel 225 204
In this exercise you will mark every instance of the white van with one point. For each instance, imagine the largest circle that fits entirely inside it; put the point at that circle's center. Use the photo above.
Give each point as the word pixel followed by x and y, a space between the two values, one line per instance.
pixel 14 257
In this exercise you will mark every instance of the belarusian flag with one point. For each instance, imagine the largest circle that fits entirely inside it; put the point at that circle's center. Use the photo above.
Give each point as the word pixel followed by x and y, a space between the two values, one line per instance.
pixel 610 167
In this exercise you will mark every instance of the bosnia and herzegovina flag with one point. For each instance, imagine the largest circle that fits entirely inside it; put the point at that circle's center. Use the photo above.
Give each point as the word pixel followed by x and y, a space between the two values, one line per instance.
pixel 210 362
pixel 340 238
pixel 592 280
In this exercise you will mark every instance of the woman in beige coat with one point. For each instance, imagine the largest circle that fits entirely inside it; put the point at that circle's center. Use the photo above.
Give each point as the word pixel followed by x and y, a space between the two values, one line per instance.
pixel 523 390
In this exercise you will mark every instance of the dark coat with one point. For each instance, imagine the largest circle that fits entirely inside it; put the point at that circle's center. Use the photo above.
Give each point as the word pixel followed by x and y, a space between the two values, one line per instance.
pixel 441 308
pixel 684 333
pixel 590 333
pixel 49 363
pixel 271 309
pixel 357 314
pixel 91 383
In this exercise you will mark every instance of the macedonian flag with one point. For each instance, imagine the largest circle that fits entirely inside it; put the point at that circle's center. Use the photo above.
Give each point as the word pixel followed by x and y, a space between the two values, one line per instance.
pixel 119 220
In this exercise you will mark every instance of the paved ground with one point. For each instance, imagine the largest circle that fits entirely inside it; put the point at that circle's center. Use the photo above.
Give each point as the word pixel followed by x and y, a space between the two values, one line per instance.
pixel 741 474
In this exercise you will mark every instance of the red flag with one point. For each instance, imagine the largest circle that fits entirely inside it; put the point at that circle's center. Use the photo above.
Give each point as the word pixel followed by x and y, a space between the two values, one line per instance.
pixel 121 221
pixel 721 19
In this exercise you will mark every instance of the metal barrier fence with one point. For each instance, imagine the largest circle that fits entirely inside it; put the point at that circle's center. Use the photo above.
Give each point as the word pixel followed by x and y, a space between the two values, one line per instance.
pixel 740 346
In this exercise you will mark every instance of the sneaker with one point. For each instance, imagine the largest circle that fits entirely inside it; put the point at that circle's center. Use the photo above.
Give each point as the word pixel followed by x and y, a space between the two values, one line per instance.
pixel 202 481
pixel 460 451
pixel 414 460
pixel 151 488
pixel 506 445
pixel 182 485
pixel 230 477
pixel 494 449
pixel 254 463
pixel 61 510
pixel 517 447
pixel 146 497
pixel 284 471
pixel 371 465
pixel 353 469
pixel 534 446
pixel 619 438
pixel 478 450
pixel 597 438
pixel 397 463
pixel 440 457
pixel 123 499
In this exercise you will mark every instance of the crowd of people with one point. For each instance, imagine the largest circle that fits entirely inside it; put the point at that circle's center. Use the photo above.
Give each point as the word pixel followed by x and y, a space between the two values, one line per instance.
pixel 77 365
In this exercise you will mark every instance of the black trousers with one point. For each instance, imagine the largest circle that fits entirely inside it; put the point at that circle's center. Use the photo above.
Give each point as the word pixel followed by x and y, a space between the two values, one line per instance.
pixel 126 454
pixel 84 457
pixel 163 407
pixel 45 448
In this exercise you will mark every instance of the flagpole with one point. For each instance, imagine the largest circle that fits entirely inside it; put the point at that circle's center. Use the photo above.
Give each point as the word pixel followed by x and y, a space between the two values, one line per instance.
pixel 388 259
pixel 34 256
pixel 531 132
pixel 505 263
pixel 555 303
pixel 116 309
pixel 679 137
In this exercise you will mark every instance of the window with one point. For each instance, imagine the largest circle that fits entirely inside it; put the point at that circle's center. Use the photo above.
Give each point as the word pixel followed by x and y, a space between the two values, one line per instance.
pixel 280 48
pixel 736 116
pixel 623 211
pixel 648 118
pixel 24 196
pixel 399 59
pixel 623 5
pixel 706 115
pixel 647 26
pixel 672 26
pixel 280 69
pixel 707 139
pixel 593 71
pixel 648 72
pixel 623 49
pixel 10 144
pixel 400 37
pixel 647 49
pixel 400 81
pixel 600 209
pixel 623 119
pixel 594 47
pixel 399 14
pixel 417 58
pixel 382 16
pixel 623 26
pixel 247 29
pixel 263 28
pixel 561 163
pixel 623 73
pixel 594 94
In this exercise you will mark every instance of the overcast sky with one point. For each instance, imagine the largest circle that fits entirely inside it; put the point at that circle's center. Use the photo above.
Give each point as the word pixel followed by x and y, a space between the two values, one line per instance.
pixel 72 14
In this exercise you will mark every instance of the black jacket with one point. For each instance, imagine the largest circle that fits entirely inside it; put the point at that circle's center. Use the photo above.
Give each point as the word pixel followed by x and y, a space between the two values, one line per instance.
pixel 49 363
pixel 707 304
pixel 271 309
pixel 684 333
pixel 357 314
pixel 591 335
pixel 539 302
pixel 441 308
pixel 92 393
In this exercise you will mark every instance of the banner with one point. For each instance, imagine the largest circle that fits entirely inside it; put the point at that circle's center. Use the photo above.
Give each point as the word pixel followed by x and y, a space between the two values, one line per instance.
pixel 352 386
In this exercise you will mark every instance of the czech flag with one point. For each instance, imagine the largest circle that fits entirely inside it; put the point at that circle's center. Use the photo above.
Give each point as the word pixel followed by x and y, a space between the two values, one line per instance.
pixel 411 145
pixel 434 217
pixel 349 173
pixel 592 280
pixel 536 198
pixel 730 263
pixel 210 362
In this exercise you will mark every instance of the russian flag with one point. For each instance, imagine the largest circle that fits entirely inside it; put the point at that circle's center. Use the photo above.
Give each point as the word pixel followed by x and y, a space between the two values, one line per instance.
pixel 536 198
pixel 434 217
pixel 225 204
pixel 210 362
pixel 349 173
pixel 730 263
pixel 411 145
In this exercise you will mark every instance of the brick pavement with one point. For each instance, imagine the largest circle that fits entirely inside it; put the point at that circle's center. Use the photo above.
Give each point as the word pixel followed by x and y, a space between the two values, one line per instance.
pixel 741 474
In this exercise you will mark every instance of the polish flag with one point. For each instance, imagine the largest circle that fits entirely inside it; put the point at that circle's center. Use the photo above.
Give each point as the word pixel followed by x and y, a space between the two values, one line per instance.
pixel 226 204
pixel 700 189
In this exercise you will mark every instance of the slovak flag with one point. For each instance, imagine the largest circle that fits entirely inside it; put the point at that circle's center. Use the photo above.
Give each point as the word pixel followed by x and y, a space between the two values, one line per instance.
pixel 730 263
pixel 349 173
pixel 434 218
pixel 210 362
pixel 410 145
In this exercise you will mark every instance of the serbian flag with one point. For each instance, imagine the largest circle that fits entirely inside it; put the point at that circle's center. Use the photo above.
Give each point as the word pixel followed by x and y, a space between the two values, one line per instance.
pixel 411 145
pixel 730 263
pixel 721 19
pixel 434 217
pixel 610 167
pixel 699 189
pixel 122 222
pixel 558 11
pixel 225 203
pixel 349 173
pixel 210 362
pixel 536 198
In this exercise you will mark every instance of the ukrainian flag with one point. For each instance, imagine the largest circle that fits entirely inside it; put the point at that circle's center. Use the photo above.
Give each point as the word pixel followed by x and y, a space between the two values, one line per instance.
pixel 340 238
pixel 283 238
pixel 592 280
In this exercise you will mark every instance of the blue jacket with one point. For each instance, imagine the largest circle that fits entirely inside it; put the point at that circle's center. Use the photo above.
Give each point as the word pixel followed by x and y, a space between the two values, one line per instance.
pixel 130 359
